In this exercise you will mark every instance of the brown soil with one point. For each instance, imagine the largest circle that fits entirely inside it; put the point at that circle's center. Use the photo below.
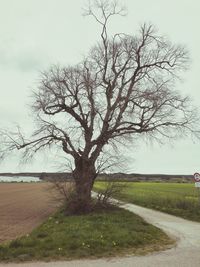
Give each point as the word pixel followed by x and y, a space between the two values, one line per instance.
pixel 22 208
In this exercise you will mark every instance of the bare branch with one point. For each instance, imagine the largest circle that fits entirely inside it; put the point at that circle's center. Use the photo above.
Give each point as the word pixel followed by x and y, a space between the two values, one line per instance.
pixel 124 87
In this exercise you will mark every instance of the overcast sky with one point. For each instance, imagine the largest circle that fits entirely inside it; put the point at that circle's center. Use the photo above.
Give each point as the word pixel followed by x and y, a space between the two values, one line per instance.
pixel 37 33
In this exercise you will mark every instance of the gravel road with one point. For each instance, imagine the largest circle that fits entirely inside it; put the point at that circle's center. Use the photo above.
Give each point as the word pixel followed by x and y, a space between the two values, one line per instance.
pixel 185 254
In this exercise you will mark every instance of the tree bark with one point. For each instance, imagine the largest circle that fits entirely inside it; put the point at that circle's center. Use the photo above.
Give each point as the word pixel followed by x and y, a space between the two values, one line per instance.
pixel 84 175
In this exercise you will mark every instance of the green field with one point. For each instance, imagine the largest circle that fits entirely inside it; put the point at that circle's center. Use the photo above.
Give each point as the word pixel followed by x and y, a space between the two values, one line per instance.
pixel 102 233
pixel 175 198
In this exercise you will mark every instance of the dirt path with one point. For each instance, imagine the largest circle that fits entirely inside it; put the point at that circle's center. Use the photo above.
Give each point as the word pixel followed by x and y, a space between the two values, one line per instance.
pixel 185 254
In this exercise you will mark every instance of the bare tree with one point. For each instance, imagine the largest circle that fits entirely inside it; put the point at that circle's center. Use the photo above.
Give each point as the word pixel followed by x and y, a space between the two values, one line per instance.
pixel 123 88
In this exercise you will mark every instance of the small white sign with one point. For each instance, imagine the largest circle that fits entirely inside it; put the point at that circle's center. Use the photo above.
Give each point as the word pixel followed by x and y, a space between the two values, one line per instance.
pixel 197 184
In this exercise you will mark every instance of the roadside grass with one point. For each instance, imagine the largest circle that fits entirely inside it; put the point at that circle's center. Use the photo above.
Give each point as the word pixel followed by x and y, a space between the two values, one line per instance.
pixel 103 233
pixel 173 198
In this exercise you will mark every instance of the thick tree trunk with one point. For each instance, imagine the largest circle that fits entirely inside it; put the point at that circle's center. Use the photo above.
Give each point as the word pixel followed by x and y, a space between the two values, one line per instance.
pixel 84 175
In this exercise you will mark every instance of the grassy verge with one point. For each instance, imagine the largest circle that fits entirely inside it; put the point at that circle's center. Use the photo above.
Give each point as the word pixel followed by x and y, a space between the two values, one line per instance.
pixel 173 198
pixel 104 233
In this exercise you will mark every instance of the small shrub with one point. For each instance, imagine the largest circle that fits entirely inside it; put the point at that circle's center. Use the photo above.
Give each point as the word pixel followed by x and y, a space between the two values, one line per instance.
pixel 15 244
pixel 111 190
pixel 42 235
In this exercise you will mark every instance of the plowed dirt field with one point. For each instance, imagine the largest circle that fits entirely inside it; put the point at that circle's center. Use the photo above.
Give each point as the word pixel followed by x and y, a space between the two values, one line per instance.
pixel 22 208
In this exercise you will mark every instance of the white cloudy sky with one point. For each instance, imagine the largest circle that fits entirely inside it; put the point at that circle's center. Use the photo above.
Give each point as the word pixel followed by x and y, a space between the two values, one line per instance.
pixel 37 33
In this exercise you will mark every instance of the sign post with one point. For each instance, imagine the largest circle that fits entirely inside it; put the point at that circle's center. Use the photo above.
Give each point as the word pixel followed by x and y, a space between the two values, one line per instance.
pixel 197 179
pixel 197 182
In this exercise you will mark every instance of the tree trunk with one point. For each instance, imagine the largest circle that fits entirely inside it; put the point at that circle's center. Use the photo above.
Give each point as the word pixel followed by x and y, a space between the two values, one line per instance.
pixel 84 175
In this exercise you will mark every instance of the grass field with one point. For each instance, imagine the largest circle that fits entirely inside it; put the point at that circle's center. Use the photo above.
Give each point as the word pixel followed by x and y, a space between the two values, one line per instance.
pixel 102 233
pixel 174 198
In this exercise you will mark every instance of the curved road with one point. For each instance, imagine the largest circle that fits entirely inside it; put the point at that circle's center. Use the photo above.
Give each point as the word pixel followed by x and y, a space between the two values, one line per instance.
pixel 185 254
